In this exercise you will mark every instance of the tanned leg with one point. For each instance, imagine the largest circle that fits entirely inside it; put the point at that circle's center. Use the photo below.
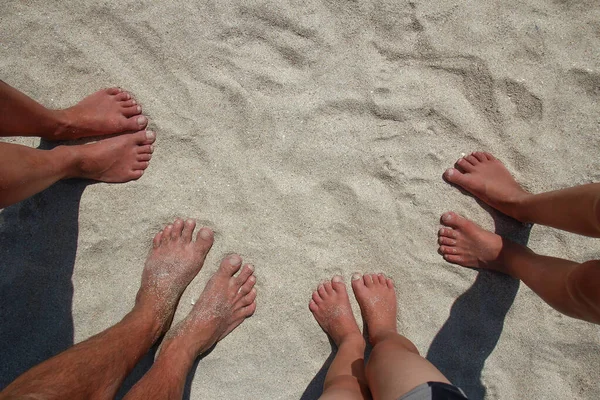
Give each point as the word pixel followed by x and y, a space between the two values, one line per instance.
pixel 95 368
pixel 27 171
pixel 346 375
pixel 395 366
pixel 571 288
pixel 106 112
pixel 575 209
pixel 227 300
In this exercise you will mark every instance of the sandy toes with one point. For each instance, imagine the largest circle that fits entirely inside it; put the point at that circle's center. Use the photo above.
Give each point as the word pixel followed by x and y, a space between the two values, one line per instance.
pixel 331 308
pixel 106 112
pixel 376 297
pixel 175 259
pixel 227 300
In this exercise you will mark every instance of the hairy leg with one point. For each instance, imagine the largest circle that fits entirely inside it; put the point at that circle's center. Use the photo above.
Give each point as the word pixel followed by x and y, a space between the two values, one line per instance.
pixel 395 366
pixel 27 171
pixel 571 288
pixel 95 368
pixel 575 209
pixel 106 112
pixel 227 300
pixel 345 378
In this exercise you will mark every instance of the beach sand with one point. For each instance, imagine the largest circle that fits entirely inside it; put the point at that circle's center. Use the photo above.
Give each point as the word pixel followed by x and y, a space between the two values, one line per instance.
pixel 312 137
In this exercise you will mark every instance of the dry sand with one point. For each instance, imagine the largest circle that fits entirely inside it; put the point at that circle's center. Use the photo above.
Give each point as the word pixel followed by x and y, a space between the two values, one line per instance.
pixel 311 136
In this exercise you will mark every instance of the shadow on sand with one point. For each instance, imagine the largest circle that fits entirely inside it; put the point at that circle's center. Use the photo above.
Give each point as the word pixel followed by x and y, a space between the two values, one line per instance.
pixel 38 243
pixel 468 337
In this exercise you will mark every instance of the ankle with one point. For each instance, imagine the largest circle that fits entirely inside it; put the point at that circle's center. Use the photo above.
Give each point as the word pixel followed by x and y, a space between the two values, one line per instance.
pixel 61 126
pixel 67 161
pixel 516 207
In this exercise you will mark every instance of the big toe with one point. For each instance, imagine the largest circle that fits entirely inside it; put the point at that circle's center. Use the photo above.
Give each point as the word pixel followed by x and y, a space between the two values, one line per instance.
pixel 453 220
pixel 456 177
pixel 230 265
pixel 136 122
pixel 358 283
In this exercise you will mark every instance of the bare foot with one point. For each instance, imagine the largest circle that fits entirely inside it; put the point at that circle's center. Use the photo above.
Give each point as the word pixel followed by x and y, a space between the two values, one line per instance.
pixel 106 112
pixel 330 306
pixel 488 179
pixel 227 300
pixel 117 159
pixel 175 259
pixel 377 299
pixel 464 243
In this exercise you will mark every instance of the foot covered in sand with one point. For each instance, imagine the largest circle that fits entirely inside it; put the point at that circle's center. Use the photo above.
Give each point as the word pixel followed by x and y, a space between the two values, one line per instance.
pixel 487 178
pixel 331 308
pixel 227 300
pixel 376 297
pixel 117 159
pixel 175 259
pixel 106 112
pixel 464 243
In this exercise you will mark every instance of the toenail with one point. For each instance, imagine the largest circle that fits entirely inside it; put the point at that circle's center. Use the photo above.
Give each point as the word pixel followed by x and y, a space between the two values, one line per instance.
pixel 450 171
pixel 150 135
pixel 139 109
pixel 235 260
pixel 142 120
pixel 205 233
pixel 133 102
pixel 250 267
pixel 356 276
pixel 337 279
pixel 447 217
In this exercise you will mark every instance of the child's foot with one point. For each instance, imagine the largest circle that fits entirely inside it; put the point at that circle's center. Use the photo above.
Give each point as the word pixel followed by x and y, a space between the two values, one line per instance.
pixel 106 112
pixel 331 308
pixel 175 259
pixel 464 243
pixel 377 299
pixel 227 300
pixel 488 179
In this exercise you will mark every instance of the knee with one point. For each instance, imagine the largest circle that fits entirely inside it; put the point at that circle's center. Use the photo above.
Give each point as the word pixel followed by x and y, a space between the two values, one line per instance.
pixel 341 387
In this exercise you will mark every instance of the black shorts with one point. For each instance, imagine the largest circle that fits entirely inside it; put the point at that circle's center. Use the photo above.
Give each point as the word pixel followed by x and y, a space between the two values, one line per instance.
pixel 435 391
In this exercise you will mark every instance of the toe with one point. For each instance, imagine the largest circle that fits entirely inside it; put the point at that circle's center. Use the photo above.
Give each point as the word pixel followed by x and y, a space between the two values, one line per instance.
pixel 390 283
pixel 136 122
pixel 246 311
pixel 448 249
pixel 144 157
pixel 145 149
pixel 128 103
pixel 453 258
pixel 140 165
pixel 446 240
pixel 312 306
pixel 230 265
pixel 452 219
pixel 131 111
pixel 357 281
pixel 480 156
pixel 248 298
pixel 205 239
pixel 447 232
pixel 453 175
pixel 472 159
pixel 157 239
pixel 247 286
pixel 122 96
pixel 321 290
pixel 489 156
pixel 245 274
pixel 113 90
pixel 177 229
pixel 368 280
pixel 188 229
pixel 166 236
pixel 337 283
pixel 465 165
pixel 381 279
pixel 328 287
pixel 316 297
pixel 144 138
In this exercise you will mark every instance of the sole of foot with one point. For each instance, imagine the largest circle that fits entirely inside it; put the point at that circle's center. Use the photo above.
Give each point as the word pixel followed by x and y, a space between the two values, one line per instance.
pixel 484 176
pixel 115 160
pixel 331 308
pixel 464 243
pixel 174 260
pixel 376 297
pixel 105 112
pixel 227 300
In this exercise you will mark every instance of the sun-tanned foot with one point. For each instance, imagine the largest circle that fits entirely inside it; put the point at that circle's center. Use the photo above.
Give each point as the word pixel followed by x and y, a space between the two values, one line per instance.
pixel 464 243
pixel 227 300
pixel 488 179
pixel 331 308
pixel 117 159
pixel 106 112
pixel 175 259
pixel 376 297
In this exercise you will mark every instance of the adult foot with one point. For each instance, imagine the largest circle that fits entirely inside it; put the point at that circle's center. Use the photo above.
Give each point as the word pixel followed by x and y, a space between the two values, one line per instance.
pixel 227 300
pixel 117 159
pixel 377 300
pixel 174 260
pixel 464 243
pixel 106 112
pixel 488 179
pixel 331 308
